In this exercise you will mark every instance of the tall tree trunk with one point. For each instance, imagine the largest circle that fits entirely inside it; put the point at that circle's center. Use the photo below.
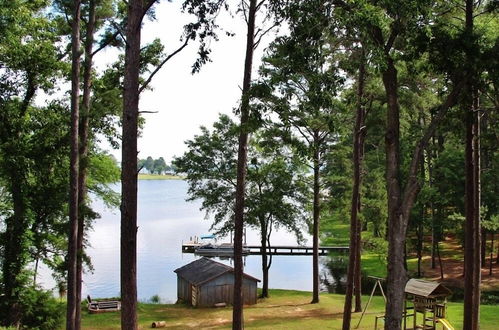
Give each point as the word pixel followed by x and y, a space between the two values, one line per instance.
pixel 129 167
pixel 14 259
pixel 237 312
pixel 472 259
pixel 433 240
pixel 440 264
pixel 15 246
pixel 263 251
pixel 357 285
pixel 492 234
pixel 355 228
pixel 397 276
pixel 316 219
pixel 483 246
pixel 433 218
pixel 400 205
pixel 420 226
pixel 83 152
pixel 72 296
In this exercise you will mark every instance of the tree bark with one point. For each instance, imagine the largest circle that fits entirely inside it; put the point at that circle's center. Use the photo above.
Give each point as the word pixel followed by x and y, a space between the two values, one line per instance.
pixel 400 205
pixel 472 259
pixel 237 312
pixel 397 276
pixel 354 255
pixel 492 234
pixel 440 264
pixel 472 246
pixel 316 219
pixel 483 246
pixel 497 258
pixel 83 152
pixel 263 251
pixel 129 167
pixel 420 226
pixel 15 225
pixel 357 286
pixel 14 259
pixel 72 296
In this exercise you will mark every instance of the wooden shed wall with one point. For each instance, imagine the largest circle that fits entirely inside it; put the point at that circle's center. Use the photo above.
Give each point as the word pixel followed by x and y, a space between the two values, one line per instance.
pixel 184 291
pixel 221 289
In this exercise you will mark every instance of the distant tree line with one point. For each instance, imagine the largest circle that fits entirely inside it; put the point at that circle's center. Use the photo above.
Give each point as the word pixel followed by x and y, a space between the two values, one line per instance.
pixel 155 166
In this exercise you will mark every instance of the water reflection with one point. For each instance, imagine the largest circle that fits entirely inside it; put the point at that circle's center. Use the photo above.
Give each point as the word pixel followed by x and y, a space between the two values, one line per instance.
pixel 334 276
pixel 165 219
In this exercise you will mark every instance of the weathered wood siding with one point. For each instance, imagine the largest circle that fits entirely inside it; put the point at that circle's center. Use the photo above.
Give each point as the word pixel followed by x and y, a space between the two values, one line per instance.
pixel 221 289
pixel 183 290
pixel 218 290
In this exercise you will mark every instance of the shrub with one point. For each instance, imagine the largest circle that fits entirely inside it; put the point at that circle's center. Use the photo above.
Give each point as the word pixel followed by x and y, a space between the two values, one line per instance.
pixel 155 299
pixel 40 310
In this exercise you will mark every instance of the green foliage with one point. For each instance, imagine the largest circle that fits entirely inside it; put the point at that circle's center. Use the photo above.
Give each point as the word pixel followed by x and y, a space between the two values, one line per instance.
pixel 273 193
pixel 154 166
pixel 378 246
pixel 41 310
pixel 104 170
pixel 156 299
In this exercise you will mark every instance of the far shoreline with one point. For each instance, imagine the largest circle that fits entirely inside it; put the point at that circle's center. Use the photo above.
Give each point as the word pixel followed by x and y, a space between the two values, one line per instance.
pixel 144 176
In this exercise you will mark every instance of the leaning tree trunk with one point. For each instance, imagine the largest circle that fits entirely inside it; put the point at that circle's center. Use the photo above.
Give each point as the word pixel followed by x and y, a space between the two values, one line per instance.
pixel 72 296
pixel 129 167
pixel 83 152
pixel 354 255
pixel 237 312
pixel 316 219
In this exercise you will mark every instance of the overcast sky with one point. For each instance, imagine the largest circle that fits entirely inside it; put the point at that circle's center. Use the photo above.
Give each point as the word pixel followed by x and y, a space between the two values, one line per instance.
pixel 183 101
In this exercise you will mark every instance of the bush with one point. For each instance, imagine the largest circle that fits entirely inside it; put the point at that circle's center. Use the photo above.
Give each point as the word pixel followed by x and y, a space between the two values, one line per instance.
pixel 155 299
pixel 40 310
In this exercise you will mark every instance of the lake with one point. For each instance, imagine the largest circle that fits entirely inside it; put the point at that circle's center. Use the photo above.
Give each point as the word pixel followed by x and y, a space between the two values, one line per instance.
pixel 165 220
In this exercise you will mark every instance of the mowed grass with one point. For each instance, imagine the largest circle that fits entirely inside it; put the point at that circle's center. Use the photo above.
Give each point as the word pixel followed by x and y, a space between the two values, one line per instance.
pixel 143 176
pixel 285 309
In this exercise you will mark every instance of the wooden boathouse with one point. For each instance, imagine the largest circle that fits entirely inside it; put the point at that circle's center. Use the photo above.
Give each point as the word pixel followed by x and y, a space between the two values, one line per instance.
pixel 206 283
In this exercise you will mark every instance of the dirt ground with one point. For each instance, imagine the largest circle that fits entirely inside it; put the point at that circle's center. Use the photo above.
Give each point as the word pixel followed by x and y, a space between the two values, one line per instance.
pixel 453 268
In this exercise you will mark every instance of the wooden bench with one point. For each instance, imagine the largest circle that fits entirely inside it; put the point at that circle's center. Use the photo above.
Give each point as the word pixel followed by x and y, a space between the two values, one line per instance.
pixel 103 306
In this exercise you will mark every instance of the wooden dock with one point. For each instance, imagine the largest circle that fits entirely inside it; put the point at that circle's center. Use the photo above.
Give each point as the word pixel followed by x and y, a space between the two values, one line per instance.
pixel 278 250
pixel 296 250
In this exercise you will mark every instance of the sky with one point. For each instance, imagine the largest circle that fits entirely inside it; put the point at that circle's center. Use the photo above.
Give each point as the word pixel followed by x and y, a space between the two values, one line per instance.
pixel 183 101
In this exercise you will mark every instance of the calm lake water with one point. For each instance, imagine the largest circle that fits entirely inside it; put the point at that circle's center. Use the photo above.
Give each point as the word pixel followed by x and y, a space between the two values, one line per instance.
pixel 165 219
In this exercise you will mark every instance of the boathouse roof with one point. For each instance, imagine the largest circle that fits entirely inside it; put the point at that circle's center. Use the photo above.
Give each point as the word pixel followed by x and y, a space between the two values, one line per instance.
pixel 203 270
pixel 424 288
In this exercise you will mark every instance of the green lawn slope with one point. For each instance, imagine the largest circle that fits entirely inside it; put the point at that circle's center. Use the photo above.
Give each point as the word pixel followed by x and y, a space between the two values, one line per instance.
pixel 285 309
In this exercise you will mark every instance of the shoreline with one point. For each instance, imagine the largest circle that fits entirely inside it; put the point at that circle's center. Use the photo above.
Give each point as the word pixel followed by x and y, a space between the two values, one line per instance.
pixel 143 176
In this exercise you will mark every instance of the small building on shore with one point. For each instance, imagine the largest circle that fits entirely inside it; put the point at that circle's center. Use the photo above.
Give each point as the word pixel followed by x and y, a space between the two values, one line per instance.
pixel 205 282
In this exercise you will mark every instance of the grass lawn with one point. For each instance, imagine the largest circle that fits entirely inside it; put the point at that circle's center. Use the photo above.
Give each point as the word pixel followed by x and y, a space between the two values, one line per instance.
pixel 285 309
pixel 143 176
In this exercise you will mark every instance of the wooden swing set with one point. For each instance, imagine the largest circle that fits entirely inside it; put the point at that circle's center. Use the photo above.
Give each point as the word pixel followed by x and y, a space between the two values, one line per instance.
pixel 425 302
